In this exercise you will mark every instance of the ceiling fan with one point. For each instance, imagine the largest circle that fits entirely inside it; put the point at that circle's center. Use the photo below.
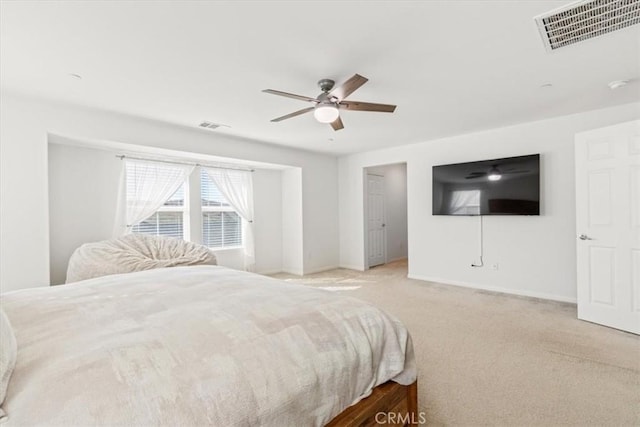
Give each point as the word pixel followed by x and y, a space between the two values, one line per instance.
pixel 327 105
pixel 494 174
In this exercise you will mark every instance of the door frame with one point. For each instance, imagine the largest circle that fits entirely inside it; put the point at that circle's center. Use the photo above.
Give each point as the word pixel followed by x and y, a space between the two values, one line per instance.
pixel 365 208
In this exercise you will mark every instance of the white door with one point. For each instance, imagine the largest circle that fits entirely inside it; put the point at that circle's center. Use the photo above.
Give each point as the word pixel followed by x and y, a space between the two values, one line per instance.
pixel 376 232
pixel 608 226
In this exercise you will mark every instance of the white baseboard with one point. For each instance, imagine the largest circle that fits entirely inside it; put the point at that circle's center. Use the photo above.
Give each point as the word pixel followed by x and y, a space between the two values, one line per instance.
pixel 352 267
pixel 268 272
pixel 397 259
pixel 312 271
pixel 321 269
pixel 539 295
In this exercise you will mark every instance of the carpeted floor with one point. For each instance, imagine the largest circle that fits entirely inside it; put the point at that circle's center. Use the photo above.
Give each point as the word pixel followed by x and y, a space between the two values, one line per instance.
pixel 494 359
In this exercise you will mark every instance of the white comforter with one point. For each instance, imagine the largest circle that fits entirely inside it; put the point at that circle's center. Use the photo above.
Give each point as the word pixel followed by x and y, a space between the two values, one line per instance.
pixel 196 345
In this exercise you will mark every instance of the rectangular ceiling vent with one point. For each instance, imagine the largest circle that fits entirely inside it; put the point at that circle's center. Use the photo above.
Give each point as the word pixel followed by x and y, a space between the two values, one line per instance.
pixel 586 19
pixel 209 125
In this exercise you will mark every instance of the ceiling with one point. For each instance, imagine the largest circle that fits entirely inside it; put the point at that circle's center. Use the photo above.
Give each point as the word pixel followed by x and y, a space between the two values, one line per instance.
pixel 451 67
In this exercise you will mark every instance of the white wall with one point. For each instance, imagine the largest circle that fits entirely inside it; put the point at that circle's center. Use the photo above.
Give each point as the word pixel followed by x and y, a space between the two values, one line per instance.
pixel 26 122
pixel 292 226
pixel 267 221
pixel 536 255
pixel 395 203
pixel 83 194
pixel 24 204
pixel 83 190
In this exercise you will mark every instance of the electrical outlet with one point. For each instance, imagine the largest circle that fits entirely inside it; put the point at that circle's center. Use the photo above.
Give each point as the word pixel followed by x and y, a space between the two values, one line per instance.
pixel 495 266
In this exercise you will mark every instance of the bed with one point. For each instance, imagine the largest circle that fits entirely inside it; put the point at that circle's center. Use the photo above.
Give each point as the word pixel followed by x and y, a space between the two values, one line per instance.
pixel 203 345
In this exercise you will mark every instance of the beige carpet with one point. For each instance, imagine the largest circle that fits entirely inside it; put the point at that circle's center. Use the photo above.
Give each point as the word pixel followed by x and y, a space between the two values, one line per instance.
pixel 494 359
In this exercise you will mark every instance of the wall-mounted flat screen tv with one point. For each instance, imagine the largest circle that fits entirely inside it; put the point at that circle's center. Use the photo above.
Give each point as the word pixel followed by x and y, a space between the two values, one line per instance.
pixel 509 186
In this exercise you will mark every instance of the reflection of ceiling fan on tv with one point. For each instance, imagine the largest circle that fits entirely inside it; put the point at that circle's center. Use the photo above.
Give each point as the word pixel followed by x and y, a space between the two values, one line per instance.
pixel 327 105
pixel 495 174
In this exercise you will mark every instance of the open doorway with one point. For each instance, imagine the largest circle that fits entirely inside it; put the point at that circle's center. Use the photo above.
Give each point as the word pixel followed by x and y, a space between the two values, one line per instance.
pixel 385 214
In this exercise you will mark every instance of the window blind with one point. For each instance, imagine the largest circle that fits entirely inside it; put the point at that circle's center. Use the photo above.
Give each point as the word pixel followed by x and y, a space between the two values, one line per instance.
pixel 221 225
pixel 169 224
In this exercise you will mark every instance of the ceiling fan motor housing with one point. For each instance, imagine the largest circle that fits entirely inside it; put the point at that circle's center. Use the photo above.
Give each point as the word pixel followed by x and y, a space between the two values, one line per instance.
pixel 326 85
pixel 323 98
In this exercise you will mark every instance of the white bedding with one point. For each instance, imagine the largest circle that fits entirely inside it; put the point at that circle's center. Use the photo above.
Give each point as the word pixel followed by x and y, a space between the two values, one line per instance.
pixel 197 345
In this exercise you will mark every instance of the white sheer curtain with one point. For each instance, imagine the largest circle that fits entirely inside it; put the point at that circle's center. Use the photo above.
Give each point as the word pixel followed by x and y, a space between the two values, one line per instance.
pixel 144 187
pixel 237 187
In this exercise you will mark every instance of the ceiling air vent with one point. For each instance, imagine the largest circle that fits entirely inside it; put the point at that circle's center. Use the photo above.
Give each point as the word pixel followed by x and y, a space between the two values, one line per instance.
pixel 209 125
pixel 586 19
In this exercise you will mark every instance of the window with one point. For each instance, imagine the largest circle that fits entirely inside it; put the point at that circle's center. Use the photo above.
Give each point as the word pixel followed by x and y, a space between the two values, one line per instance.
pixel 147 181
pixel 168 220
pixel 221 225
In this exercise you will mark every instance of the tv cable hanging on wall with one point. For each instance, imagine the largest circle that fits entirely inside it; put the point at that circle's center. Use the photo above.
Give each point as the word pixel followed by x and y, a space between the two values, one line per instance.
pixel 481 245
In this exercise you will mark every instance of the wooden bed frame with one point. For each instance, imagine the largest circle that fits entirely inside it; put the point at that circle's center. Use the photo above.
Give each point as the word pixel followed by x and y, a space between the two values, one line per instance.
pixel 390 404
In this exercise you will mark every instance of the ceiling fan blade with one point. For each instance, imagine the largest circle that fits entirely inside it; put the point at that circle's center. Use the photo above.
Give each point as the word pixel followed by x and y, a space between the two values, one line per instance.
pixel 348 87
pixel 514 172
pixel 337 124
pixel 367 106
pixel 295 113
pixel 290 95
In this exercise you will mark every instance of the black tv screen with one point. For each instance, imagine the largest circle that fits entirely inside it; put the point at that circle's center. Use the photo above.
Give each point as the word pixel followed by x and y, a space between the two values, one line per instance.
pixel 509 186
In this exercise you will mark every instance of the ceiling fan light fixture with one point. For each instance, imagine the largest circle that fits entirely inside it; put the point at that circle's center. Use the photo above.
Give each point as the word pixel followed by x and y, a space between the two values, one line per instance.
pixel 326 113
pixel 494 174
